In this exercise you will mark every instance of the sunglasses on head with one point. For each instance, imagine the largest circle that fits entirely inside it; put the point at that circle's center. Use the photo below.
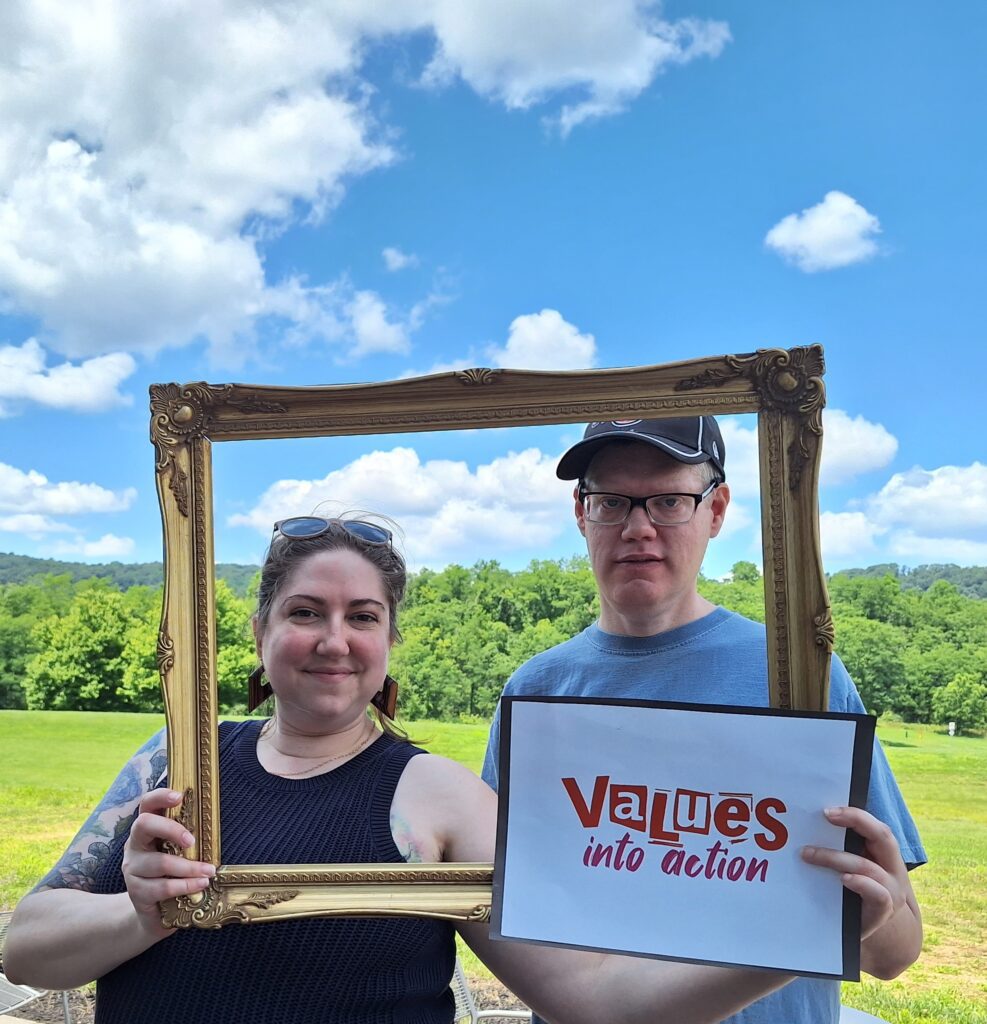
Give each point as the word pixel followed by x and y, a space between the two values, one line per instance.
pixel 310 527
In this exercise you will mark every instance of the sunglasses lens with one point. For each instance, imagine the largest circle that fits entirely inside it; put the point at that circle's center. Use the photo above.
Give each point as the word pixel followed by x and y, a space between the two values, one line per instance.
pixel 307 527
pixel 368 532
pixel 301 527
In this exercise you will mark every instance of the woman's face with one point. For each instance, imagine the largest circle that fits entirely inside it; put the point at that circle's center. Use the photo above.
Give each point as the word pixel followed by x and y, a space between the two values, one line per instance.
pixel 326 642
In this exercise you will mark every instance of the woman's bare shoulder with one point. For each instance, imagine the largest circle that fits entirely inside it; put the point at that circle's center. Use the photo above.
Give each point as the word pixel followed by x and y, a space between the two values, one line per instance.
pixel 450 809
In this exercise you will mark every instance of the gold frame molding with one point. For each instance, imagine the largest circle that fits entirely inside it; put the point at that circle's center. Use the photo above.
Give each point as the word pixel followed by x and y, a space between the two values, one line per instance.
pixel 784 387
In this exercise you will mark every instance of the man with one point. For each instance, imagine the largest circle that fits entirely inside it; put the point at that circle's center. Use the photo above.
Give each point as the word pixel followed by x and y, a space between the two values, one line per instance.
pixel 650 495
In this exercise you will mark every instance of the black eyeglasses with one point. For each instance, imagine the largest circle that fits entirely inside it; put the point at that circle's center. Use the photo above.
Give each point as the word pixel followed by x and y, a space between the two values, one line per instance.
pixel 310 527
pixel 663 509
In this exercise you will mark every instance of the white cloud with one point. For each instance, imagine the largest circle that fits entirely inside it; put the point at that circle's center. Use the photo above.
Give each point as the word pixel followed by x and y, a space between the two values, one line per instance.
pixel 104 268
pixel 948 502
pixel 544 341
pixel 32 492
pixel 847 535
pixel 937 515
pixel 147 151
pixel 108 546
pixel 372 331
pixel 90 386
pixel 536 341
pixel 395 259
pixel 128 229
pixel 916 550
pixel 834 233
pixel 34 501
pixel 30 524
pixel 358 322
pixel 446 510
pixel 852 446
pixel 520 52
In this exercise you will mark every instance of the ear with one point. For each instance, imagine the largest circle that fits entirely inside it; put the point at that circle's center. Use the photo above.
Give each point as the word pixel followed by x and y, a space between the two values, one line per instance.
pixel 580 511
pixel 718 502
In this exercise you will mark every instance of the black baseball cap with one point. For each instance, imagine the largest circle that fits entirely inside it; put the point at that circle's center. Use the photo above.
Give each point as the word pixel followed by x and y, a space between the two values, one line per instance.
pixel 690 439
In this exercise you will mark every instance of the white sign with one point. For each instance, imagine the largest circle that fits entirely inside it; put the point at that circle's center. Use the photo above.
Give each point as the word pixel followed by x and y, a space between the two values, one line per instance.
pixel 674 831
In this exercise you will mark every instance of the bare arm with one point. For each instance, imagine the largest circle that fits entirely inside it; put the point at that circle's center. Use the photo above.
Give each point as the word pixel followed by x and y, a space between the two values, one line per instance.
pixel 63 934
pixel 881 879
pixel 452 816
pixel 458 818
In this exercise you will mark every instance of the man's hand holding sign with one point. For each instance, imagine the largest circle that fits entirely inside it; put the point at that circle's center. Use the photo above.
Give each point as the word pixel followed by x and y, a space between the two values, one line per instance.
pixel 880 878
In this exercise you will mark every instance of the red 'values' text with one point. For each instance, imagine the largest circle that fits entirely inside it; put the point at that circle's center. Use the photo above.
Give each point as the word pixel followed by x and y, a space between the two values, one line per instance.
pixel 666 816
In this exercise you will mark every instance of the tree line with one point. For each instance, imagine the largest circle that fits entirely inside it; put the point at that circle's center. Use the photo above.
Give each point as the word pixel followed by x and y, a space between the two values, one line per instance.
pixel 86 644
pixel 969 580
pixel 123 575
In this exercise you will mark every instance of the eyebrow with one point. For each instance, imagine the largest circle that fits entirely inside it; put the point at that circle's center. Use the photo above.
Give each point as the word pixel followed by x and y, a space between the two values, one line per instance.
pixel 314 599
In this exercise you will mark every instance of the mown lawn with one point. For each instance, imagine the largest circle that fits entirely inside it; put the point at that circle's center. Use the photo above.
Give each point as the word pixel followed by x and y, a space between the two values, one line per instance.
pixel 944 780
pixel 54 766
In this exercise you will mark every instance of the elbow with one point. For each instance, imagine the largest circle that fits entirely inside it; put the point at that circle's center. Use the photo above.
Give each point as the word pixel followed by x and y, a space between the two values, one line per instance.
pixel 887 971
pixel 20 959
pixel 12 976
pixel 13 966
pixel 887 965
pixel 18 965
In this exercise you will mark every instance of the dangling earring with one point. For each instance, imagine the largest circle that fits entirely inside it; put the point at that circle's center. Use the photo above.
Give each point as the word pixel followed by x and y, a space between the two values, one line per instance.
pixel 257 690
pixel 386 698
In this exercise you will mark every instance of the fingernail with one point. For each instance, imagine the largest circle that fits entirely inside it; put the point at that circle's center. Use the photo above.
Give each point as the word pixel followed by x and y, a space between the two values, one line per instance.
pixel 203 883
pixel 172 795
pixel 809 851
pixel 187 839
pixel 210 870
pixel 831 812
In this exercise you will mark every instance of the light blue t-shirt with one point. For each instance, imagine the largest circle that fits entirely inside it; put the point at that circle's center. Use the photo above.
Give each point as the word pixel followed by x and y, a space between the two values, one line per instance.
pixel 718 659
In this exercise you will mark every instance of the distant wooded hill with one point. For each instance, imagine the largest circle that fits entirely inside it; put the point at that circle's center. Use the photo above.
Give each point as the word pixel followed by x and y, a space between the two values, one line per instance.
pixel 123 575
pixel 970 581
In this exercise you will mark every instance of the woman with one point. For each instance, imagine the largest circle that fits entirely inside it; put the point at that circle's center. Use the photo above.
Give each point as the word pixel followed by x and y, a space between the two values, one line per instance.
pixel 321 783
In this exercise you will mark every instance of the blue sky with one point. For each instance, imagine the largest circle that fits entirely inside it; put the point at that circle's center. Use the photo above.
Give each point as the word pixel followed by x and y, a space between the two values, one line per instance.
pixel 320 193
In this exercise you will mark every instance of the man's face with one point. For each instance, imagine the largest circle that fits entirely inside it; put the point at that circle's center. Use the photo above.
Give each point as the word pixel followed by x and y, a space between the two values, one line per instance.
pixel 647 574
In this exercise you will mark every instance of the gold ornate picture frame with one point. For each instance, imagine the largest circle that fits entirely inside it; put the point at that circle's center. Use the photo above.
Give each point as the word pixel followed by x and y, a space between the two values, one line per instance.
pixel 783 387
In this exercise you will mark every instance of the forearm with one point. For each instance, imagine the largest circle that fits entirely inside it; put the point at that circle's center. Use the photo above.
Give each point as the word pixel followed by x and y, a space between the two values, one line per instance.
pixel 640 991
pixel 63 938
pixel 575 987
pixel 896 945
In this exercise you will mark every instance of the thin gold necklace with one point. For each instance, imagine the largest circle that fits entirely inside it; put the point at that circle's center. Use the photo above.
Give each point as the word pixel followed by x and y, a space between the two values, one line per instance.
pixel 336 757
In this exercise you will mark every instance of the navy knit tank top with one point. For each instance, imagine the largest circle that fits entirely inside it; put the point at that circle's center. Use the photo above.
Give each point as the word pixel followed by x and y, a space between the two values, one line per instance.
pixel 310 971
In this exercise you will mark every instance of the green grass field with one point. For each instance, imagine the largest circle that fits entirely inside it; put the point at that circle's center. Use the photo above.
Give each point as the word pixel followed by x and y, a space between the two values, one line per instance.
pixel 54 766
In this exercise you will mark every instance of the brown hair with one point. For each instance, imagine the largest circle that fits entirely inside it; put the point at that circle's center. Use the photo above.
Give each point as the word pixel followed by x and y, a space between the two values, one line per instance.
pixel 286 554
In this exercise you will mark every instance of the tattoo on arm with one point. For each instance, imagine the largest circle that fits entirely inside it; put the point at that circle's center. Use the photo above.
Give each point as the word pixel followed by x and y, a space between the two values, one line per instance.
pixel 408 846
pixel 126 787
pixel 159 763
pixel 79 865
pixel 76 870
